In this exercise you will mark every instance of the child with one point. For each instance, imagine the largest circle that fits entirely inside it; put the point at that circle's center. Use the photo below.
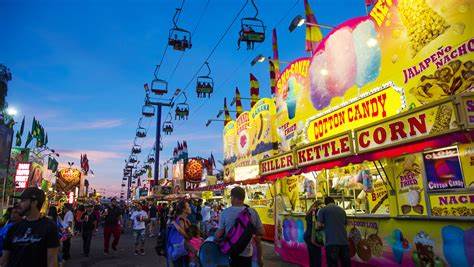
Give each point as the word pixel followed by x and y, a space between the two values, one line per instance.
pixel 194 243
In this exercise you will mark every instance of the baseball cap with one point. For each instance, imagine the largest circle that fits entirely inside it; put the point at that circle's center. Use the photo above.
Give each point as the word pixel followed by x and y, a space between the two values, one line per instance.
pixel 32 193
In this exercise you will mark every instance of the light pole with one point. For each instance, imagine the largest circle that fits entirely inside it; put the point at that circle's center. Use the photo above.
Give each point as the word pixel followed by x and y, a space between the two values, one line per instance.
pixel 160 103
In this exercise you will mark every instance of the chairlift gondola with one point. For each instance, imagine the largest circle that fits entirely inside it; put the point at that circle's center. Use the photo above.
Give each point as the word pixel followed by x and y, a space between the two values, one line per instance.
pixel 133 159
pixel 168 125
pixel 141 132
pixel 252 30
pixel 151 159
pixel 148 110
pixel 182 109
pixel 205 84
pixel 159 86
pixel 136 149
pixel 178 38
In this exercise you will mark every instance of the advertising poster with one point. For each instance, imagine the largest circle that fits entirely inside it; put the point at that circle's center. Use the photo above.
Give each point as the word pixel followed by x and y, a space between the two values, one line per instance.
pixel 36 175
pixel 408 175
pixel 264 139
pixel 193 174
pixel 443 169
pixel 291 105
pixel 466 155
pixel 230 151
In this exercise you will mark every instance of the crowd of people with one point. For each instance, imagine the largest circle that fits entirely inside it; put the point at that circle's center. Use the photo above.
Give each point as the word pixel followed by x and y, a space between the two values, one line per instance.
pixel 30 238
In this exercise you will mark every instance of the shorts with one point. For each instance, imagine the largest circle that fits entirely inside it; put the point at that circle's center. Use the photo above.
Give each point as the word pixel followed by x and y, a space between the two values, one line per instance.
pixel 139 235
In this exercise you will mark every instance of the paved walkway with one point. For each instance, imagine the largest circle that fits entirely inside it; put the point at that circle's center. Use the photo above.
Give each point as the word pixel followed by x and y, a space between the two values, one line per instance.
pixel 125 258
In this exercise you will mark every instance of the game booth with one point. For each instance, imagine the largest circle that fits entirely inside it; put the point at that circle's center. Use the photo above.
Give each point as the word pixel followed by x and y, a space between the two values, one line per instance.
pixel 380 118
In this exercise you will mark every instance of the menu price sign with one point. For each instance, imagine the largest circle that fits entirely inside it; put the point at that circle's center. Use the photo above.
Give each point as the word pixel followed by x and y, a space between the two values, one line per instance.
pixel 22 174
pixel 443 169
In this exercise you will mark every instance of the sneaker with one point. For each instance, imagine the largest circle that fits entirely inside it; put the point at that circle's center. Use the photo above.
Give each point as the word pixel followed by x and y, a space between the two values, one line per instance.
pixel 106 253
pixel 142 252
pixel 136 253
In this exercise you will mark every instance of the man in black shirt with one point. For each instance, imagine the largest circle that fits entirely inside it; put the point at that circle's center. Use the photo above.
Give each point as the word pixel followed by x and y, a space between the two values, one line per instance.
pixel 89 223
pixel 113 216
pixel 33 241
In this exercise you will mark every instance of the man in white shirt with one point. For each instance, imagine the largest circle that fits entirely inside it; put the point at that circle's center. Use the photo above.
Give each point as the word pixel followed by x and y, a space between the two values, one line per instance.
pixel 206 217
pixel 139 217
pixel 67 224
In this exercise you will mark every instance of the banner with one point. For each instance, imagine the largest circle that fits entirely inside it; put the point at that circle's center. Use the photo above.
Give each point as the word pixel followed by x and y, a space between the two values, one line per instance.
pixel 263 141
pixel 420 123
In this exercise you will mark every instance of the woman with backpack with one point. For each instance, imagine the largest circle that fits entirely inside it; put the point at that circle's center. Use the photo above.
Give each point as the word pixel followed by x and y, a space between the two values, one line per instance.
pixel 314 251
pixel 178 235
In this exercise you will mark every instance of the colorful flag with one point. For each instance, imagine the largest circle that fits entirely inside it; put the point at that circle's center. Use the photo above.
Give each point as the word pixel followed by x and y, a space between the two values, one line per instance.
pixel 369 4
pixel 313 32
pixel 46 140
pixel 254 89
pixel 238 102
pixel 227 118
pixel 84 164
pixel 22 127
pixel 272 77
pixel 276 59
pixel 29 138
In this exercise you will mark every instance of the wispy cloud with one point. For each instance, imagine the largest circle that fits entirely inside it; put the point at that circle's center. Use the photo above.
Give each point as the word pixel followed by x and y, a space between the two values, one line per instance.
pixel 92 125
pixel 94 156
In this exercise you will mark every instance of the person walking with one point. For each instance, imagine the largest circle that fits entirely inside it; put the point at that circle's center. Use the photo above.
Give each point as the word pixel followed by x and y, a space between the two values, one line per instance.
pixel 180 221
pixel 34 240
pixel 12 218
pixel 314 251
pixel 89 224
pixel 333 220
pixel 153 215
pixel 206 217
pixel 68 226
pixel 112 226
pixel 139 217
pixel 227 220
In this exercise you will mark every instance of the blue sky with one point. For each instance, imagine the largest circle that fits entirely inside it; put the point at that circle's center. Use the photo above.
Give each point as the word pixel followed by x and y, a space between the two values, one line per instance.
pixel 80 66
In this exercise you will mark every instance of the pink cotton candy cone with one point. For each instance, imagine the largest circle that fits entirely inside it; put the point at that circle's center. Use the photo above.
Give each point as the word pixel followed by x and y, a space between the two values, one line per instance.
pixel 341 62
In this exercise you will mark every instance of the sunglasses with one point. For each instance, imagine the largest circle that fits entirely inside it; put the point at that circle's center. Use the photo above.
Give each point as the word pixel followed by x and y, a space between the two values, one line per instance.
pixel 407 208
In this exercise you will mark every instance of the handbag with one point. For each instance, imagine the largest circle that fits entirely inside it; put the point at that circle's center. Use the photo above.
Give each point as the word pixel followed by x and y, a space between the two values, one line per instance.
pixel 318 237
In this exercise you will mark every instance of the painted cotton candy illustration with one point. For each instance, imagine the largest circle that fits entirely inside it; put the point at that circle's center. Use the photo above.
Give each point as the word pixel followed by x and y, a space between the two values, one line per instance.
pixel 320 96
pixel 367 51
pixel 349 56
pixel 341 61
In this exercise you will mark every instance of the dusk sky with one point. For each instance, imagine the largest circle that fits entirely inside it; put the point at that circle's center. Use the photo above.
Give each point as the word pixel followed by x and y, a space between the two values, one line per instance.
pixel 79 68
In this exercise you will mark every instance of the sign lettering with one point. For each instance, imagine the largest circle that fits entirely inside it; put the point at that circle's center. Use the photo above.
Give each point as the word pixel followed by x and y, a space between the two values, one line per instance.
pixel 280 163
pixel 327 150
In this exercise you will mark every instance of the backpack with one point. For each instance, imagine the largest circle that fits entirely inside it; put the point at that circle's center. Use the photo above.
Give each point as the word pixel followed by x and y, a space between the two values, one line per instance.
pixel 240 235
pixel 175 247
